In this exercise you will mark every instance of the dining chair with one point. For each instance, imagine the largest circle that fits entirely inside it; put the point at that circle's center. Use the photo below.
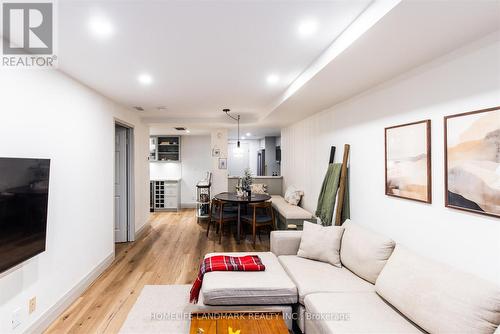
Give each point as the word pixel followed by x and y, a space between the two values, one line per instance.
pixel 221 212
pixel 261 215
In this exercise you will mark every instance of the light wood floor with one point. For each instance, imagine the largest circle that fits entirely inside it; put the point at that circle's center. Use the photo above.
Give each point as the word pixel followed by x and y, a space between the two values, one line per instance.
pixel 169 252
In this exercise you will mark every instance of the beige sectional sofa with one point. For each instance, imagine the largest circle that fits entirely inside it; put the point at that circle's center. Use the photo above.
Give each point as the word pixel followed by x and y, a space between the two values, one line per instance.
pixel 380 288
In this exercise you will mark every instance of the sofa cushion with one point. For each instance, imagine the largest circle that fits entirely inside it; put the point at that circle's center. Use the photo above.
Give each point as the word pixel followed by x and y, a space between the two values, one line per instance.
pixel 313 276
pixel 286 309
pixel 269 287
pixel 285 242
pixel 321 243
pixel 438 298
pixel 364 252
pixel 287 210
pixel 293 195
pixel 353 312
pixel 258 188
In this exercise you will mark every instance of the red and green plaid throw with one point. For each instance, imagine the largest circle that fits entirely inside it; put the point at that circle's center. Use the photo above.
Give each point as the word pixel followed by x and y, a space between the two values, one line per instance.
pixel 224 263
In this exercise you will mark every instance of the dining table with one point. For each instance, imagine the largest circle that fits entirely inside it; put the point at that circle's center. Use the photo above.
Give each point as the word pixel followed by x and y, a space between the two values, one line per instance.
pixel 240 200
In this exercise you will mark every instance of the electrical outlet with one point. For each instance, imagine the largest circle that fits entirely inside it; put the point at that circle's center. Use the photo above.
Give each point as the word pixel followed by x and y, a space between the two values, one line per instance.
pixel 32 305
pixel 16 318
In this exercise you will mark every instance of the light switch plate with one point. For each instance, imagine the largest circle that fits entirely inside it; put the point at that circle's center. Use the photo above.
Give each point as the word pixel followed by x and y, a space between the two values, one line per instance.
pixel 32 305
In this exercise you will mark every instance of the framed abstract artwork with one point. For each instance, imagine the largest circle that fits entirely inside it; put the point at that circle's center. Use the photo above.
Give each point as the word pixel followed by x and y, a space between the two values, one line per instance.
pixel 408 161
pixel 472 161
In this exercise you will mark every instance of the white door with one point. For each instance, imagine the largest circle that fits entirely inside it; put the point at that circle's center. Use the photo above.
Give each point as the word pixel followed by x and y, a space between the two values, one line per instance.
pixel 121 210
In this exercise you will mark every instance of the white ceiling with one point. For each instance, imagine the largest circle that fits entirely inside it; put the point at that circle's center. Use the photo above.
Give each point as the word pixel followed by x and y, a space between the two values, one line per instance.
pixel 203 55
pixel 207 55
pixel 411 34
pixel 200 128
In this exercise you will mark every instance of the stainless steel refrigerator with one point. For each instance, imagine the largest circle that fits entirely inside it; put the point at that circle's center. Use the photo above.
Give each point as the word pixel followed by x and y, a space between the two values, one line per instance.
pixel 261 162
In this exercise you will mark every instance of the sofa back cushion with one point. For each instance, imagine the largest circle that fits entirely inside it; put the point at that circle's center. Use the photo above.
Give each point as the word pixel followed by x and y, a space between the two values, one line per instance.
pixel 364 252
pixel 438 298
pixel 321 243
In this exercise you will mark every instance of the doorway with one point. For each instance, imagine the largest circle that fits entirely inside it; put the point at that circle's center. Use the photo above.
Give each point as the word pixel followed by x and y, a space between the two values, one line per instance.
pixel 124 227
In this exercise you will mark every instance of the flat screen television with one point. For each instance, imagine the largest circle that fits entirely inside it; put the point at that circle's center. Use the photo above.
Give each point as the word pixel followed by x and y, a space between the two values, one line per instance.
pixel 24 194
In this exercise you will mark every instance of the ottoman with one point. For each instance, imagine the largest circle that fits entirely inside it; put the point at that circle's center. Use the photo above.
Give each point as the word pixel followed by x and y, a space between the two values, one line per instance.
pixel 269 287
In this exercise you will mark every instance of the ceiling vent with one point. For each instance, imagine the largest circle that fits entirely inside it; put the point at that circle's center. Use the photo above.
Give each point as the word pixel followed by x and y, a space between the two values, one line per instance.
pixel 139 108
pixel 180 128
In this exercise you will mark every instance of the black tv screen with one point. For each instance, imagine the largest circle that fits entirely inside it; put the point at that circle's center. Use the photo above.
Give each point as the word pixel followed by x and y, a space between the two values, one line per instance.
pixel 24 194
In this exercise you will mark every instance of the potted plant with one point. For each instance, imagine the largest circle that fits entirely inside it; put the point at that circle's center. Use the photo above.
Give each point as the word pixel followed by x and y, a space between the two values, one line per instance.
pixel 246 181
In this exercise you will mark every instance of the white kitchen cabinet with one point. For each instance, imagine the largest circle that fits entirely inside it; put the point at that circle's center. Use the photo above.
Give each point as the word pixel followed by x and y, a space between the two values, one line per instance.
pixel 166 195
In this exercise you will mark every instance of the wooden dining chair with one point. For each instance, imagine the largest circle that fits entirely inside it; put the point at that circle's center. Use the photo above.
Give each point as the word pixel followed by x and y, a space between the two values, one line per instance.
pixel 261 215
pixel 220 213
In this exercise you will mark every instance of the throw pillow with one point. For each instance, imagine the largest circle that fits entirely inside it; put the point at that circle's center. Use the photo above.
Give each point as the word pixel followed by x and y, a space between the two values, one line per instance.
pixel 321 243
pixel 293 196
pixel 258 188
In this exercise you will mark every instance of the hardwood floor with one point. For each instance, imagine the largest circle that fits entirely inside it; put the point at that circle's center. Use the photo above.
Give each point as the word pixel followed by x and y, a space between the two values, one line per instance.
pixel 169 252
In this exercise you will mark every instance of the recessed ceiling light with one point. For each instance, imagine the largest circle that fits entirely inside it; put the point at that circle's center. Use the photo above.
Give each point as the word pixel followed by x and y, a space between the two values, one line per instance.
pixel 145 79
pixel 248 134
pixel 187 131
pixel 308 28
pixel 101 27
pixel 272 79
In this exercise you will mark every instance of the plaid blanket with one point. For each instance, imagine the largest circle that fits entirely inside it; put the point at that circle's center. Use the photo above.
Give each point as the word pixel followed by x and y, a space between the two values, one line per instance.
pixel 224 263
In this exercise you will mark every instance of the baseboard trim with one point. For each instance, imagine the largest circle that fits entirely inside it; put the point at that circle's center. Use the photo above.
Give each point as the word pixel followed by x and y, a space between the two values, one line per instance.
pixel 142 230
pixel 47 318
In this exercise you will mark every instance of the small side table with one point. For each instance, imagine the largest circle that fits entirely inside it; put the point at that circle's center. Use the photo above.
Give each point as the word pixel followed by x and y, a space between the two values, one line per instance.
pixel 203 199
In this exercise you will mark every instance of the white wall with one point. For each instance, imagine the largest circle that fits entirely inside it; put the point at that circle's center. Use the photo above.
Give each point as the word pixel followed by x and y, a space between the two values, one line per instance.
pixel 165 170
pixel 196 162
pixel 466 80
pixel 238 158
pixel 252 147
pixel 219 139
pixel 46 114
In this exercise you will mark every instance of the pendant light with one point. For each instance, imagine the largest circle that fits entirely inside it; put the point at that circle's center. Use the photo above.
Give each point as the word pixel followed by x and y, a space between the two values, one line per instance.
pixel 237 119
